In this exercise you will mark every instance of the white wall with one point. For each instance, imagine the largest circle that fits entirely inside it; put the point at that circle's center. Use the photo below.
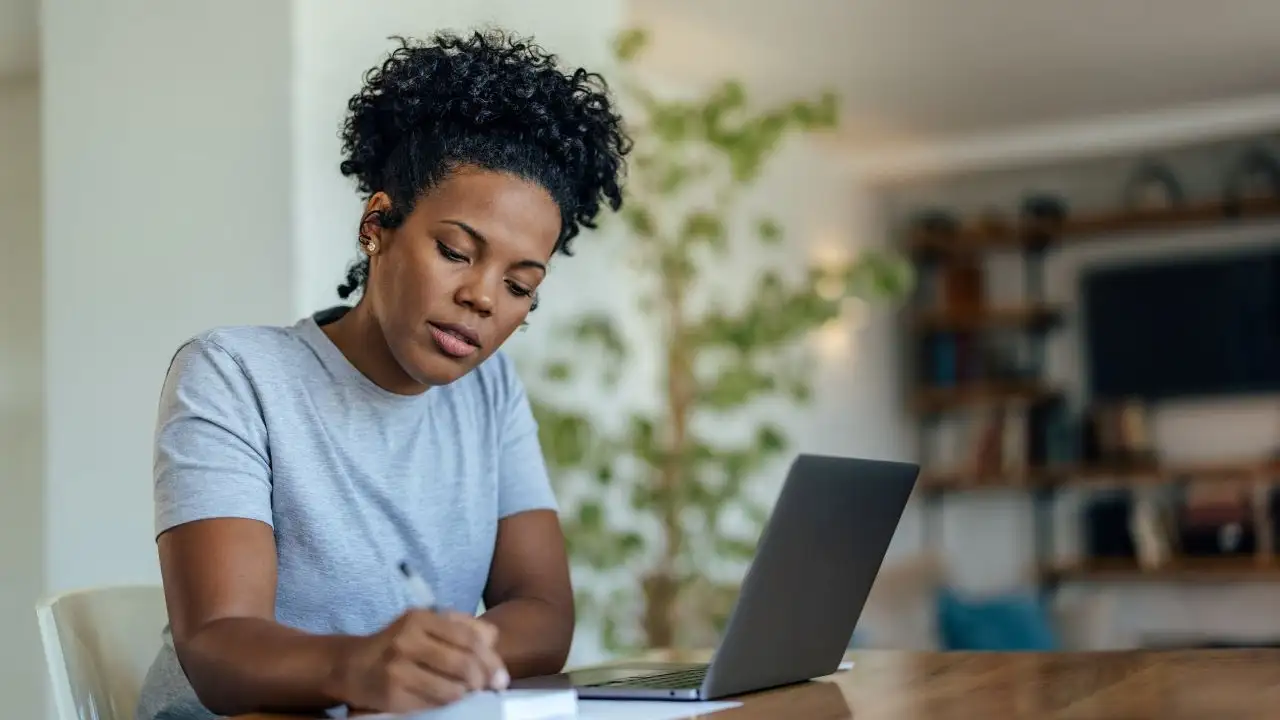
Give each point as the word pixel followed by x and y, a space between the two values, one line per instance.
pixel 21 391
pixel 167 150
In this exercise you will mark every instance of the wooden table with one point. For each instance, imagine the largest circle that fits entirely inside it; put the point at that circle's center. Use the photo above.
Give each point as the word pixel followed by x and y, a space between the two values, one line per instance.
pixel 1192 684
pixel 1199 684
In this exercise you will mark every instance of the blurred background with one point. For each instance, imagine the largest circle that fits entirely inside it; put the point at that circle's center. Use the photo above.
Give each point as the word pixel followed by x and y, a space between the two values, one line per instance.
pixel 1033 246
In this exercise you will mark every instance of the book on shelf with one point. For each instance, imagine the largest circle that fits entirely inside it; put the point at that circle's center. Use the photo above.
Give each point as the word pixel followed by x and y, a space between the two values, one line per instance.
pixel 983 445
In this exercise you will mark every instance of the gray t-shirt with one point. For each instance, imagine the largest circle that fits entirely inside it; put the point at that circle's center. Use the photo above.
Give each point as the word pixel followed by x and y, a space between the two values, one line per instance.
pixel 274 424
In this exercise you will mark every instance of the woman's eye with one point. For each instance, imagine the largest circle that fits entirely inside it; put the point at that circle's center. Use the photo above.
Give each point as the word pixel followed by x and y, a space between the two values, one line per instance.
pixel 449 253
pixel 518 290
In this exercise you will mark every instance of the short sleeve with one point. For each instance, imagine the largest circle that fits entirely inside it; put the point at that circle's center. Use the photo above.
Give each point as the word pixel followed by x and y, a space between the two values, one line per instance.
pixel 523 483
pixel 211 455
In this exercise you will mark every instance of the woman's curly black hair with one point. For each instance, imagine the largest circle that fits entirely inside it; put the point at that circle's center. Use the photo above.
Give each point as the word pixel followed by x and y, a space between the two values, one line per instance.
pixel 492 100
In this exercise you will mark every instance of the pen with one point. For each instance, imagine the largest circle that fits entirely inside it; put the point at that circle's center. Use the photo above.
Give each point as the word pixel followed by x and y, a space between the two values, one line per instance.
pixel 420 593
pixel 421 596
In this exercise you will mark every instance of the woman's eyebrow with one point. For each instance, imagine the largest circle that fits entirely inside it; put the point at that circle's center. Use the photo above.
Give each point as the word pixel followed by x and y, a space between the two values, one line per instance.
pixel 478 237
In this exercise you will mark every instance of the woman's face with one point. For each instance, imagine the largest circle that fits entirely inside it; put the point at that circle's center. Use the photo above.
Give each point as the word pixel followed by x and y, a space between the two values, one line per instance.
pixel 457 277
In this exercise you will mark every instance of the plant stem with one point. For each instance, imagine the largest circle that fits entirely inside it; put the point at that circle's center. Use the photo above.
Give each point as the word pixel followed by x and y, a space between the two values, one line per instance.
pixel 662 587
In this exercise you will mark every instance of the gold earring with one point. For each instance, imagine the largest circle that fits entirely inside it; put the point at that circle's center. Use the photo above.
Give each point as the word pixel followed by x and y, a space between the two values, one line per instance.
pixel 369 245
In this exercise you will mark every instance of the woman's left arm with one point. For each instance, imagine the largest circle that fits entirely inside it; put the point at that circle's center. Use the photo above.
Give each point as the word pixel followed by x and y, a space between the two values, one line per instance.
pixel 529 597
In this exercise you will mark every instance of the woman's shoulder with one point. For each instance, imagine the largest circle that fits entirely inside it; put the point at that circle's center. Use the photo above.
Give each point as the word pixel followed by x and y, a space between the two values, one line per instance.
pixel 244 342
pixel 243 350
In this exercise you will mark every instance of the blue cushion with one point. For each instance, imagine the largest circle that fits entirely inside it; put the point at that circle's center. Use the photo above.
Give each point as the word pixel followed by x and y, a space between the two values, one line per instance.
pixel 858 640
pixel 1015 622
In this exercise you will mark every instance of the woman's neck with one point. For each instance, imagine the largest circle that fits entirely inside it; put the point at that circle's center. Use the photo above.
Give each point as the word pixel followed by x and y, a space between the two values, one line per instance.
pixel 359 337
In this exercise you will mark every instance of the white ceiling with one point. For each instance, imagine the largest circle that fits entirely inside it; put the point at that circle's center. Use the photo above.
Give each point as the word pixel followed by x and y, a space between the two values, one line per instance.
pixel 18 36
pixel 909 70
pixel 912 70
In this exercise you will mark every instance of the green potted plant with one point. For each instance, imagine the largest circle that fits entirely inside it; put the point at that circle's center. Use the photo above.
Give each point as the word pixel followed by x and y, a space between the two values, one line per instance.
pixel 653 499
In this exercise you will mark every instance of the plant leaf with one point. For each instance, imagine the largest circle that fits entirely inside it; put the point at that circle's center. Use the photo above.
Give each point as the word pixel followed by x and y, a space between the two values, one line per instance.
pixel 736 385
pixel 629 43
pixel 704 227
pixel 558 371
pixel 769 230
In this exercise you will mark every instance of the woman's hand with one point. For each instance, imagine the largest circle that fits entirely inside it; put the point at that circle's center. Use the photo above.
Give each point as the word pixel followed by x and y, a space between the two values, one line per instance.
pixel 220 580
pixel 423 659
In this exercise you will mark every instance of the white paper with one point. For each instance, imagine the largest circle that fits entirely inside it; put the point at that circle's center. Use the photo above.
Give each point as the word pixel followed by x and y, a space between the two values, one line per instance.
pixel 648 709
pixel 507 705
pixel 483 706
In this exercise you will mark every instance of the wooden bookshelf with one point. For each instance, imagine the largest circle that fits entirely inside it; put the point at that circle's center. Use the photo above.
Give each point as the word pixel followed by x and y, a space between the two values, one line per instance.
pixel 1191 215
pixel 951 262
pixel 1249 568
pixel 994 318
pixel 977 394
pixel 1235 471
pixel 966 240
pixel 1085 476
pixel 1026 234
pixel 963 480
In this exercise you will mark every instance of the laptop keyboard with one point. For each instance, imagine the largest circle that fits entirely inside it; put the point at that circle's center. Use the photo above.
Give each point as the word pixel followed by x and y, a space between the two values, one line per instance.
pixel 677 680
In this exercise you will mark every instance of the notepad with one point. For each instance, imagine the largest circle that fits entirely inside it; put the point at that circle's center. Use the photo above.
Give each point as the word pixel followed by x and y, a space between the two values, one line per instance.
pixel 506 705
pixel 649 709
pixel 539 704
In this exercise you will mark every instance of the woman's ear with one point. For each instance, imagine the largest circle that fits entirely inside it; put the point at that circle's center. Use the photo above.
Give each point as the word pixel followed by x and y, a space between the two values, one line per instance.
pixel 372 224
pixel 377 202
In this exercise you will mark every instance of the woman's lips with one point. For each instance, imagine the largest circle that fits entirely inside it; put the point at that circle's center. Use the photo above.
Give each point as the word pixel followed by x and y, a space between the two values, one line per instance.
pixel 452 342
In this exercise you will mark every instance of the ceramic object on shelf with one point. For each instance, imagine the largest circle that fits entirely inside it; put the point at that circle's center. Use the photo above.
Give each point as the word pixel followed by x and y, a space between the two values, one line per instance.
pixel 1255 176
pixel 1150 536
pixel 1153 187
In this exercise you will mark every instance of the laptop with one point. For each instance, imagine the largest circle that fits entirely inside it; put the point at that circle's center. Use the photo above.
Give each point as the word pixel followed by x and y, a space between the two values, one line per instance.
pixel 800 600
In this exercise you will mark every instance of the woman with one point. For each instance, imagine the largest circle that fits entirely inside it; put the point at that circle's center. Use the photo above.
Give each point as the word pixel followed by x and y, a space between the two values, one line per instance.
pixel 297 467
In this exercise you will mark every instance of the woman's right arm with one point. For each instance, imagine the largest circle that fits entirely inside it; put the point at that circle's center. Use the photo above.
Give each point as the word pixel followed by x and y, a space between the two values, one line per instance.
pixel 218 564
pixel 220 584
pixel 219 579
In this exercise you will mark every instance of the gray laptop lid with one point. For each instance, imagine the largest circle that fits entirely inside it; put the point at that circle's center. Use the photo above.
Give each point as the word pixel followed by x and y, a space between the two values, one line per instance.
pixel 814 567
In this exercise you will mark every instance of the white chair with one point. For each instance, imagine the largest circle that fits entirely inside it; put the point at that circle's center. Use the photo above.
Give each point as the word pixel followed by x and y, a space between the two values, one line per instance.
pixel 98 645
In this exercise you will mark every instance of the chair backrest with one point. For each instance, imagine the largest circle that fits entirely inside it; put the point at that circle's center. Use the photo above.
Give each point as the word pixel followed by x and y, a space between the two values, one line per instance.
pixel 98 645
